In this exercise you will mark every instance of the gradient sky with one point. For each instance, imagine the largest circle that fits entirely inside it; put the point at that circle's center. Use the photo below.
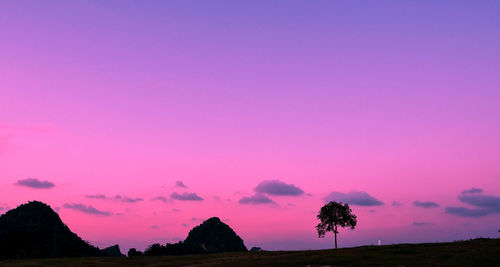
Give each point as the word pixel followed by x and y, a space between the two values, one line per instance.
pixel 392 106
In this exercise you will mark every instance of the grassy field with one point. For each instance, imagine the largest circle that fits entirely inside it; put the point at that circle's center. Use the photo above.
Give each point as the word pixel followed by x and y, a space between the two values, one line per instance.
pixel 477 252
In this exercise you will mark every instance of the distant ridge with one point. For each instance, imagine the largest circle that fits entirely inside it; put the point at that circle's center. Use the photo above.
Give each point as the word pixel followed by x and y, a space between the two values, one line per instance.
pixel 34 230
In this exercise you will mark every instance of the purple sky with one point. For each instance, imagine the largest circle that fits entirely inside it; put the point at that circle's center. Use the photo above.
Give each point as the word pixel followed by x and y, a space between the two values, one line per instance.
pixel 139 119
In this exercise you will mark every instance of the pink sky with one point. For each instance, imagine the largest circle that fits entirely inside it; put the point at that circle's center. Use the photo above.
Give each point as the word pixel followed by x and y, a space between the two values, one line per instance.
pixel 397 100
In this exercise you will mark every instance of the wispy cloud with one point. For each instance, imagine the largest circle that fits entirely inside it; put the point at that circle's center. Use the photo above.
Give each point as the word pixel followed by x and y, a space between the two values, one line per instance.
pixel 472 191
pixel 422 223
pixel 358 198
pixel 128 199
pixel 396 204
pixel 160 198
pixel 121 198
pixel 98 196
pixel 425 204
pixel 256 200
pixel 186 196
pixel 86 209
pixel 278 188
pixel 35 183
pixel 180 184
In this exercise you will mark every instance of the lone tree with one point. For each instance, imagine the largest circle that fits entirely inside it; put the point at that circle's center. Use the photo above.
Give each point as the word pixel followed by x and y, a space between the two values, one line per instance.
pixel 333 215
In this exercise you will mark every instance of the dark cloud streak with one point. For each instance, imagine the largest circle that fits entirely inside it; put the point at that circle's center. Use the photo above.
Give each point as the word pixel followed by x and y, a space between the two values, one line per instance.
pixel 35 183
pixel 186 196
pixel 472 191
pixel 466 212
pixel 425 204
pixel 86 209
pixel 278 188
pixel 256 200
pixel 117 197
pixel 358 198
pixel 98 196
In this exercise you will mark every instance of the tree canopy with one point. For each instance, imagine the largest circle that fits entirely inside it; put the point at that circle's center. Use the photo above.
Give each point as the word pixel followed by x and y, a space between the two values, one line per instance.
pixel 334 215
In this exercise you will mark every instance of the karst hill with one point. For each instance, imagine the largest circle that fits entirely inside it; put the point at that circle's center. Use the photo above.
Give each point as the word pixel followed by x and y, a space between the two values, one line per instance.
pixel 34 230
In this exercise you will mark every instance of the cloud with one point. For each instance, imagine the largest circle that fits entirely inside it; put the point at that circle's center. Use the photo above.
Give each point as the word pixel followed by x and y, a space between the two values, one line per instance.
pixel 396 204
pixel 466 212
pixel 483 204
pixel 472 191
pixel 35 183
pixel 86 209
pixel 278 188
pixel 422 223
pixel 160 198
pixel 425 204
pixel 480 200
pixel 256 199
pixel 358 198
pixel 117 197
pixel 186 196
pixel 98 196
pixel 180 184
pixel 129 199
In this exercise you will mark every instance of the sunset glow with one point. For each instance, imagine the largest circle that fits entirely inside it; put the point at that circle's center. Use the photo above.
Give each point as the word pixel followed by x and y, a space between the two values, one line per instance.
pixel 137 120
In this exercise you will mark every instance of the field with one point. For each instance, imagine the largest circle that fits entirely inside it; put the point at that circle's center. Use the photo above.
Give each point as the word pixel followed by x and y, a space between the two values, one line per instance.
pixel 477 252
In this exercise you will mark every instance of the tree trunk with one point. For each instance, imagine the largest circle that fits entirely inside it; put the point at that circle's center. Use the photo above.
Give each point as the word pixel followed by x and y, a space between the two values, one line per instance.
pixel 335 240
pixel 335 231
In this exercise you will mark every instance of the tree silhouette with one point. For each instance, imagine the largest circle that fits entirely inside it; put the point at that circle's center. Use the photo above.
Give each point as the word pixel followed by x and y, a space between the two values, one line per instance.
pixel 134 252
pixel 333 215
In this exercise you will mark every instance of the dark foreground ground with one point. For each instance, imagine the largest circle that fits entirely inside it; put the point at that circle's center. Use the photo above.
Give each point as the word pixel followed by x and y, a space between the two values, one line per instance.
pixel 478 252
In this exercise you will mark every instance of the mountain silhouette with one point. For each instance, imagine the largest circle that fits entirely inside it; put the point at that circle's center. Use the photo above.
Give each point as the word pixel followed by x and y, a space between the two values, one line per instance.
pixel 34 230
pixel 215 236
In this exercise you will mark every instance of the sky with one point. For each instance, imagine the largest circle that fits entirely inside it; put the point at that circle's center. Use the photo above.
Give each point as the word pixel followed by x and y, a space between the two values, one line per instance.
pixel 137 120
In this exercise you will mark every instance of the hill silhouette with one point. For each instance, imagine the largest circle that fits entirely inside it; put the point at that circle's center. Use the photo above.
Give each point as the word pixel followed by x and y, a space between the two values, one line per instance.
pixel 215 236
pixel 212 236
pixel 34 230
